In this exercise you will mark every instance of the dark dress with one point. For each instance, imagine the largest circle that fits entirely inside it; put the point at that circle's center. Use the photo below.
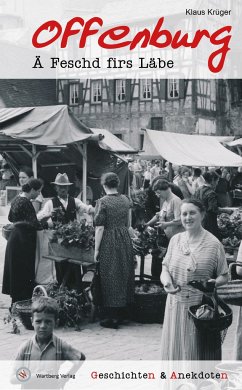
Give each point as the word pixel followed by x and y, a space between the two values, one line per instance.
pixel 222 191
pixel 19 266
pixel 210 200
pixel 115 252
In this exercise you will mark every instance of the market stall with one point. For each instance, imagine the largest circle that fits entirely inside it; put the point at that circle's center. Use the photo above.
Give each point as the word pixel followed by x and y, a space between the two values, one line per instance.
pixel 199 151
pixel 51 138
pixel 189 150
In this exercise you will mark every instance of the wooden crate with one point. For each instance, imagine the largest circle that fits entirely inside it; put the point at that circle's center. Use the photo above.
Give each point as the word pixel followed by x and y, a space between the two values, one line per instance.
pixel 82 255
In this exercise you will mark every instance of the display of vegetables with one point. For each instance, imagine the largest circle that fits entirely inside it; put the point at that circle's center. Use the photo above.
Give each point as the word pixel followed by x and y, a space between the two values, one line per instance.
pixel 233 242
pixel 73 307
pixel 230 227
pixel 74 234
pixel 148 240
pixel 144 240
pixel 148 288
pixel 58 215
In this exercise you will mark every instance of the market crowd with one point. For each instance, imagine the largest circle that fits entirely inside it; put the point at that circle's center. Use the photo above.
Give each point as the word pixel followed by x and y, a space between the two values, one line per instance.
pixel 181 203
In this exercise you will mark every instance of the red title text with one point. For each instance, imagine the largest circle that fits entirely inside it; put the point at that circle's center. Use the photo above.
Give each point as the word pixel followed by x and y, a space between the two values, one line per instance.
pixel 116 37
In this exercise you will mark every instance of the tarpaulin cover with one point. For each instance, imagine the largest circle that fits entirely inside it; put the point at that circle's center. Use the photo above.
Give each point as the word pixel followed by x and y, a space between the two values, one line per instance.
pixel 112 143
pixel 237 142
pixel 190 150
pixel 43 125
pixel 11 113
pixel 53 126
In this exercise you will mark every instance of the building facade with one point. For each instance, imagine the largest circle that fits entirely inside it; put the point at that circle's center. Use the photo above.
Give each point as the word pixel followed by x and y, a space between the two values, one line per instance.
pixel 127 107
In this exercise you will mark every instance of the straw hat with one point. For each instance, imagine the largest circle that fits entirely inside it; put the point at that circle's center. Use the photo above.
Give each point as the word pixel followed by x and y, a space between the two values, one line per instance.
pixel 62 180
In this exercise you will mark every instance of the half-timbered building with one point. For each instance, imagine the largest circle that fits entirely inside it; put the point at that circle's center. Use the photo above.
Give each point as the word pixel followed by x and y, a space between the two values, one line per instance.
pixel 127 106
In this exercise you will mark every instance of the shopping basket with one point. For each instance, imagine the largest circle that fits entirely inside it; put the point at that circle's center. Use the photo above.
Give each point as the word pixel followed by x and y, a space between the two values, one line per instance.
pixel 22 309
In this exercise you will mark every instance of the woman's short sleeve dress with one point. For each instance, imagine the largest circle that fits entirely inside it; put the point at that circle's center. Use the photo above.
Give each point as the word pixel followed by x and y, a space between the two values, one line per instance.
pixel 116 251
pixel 180 338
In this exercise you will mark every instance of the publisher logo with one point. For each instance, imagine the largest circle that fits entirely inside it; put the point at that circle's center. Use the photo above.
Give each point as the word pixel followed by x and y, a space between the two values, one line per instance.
pixel 23 374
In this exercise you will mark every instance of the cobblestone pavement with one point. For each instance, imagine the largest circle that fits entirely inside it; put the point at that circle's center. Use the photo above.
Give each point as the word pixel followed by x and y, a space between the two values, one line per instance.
pixel 132 341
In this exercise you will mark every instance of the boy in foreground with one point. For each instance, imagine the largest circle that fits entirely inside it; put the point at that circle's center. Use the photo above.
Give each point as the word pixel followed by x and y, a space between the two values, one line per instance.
pixel 44 345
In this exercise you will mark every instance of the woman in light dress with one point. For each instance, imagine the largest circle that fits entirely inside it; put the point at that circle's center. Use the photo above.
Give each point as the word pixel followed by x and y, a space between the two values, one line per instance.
pixel 44 269
pixel 192 255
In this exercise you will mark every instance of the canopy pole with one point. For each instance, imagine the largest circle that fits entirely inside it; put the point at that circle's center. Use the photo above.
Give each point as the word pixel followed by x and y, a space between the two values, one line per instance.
pixel 129 195
pixel 34 160
pixel 84 172
pixel 83 149
pixel 170 172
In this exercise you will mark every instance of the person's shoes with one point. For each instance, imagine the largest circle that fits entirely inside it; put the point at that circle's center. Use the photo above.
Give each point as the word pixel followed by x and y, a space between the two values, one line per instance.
pixel 109 323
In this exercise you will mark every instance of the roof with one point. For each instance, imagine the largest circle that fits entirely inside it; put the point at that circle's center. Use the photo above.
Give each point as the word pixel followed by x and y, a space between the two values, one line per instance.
pixel 24 93
pixel 190 150
pixel 112 143
pixel 52 126
pixel 45 125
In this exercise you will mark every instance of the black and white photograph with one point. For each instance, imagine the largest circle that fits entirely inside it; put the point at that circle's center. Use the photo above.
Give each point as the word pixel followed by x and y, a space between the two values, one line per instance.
pixel 121 195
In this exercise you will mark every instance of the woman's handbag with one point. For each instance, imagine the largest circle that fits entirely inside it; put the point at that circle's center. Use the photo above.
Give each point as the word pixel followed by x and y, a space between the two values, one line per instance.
pixel 96 289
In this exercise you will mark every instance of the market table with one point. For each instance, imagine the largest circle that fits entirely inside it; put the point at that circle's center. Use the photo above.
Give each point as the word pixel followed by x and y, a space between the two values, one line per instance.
pixel 73 268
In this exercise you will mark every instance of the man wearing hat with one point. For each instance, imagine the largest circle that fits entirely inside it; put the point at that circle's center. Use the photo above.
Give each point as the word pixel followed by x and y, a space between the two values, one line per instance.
pixel 71 207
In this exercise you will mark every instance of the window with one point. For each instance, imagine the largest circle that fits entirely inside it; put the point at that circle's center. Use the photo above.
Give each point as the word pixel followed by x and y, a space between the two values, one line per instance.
pixel 213 90
pixel 156 123
pixel 173 89
pixel 145 89
pixel 141 141
pixel 120 90
pixel 60 97
pixel 96 91
pixel 74 94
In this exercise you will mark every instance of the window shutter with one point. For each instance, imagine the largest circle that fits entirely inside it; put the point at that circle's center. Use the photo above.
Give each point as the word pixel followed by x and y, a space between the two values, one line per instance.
pixel 66 93
pixel 111 91
pixel 128 90
pixel 81 93
pixel 181 88
pixel 163 89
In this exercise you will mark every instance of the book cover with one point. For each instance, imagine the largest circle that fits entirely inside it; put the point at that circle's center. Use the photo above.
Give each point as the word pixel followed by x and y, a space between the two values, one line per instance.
pixel 91 87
